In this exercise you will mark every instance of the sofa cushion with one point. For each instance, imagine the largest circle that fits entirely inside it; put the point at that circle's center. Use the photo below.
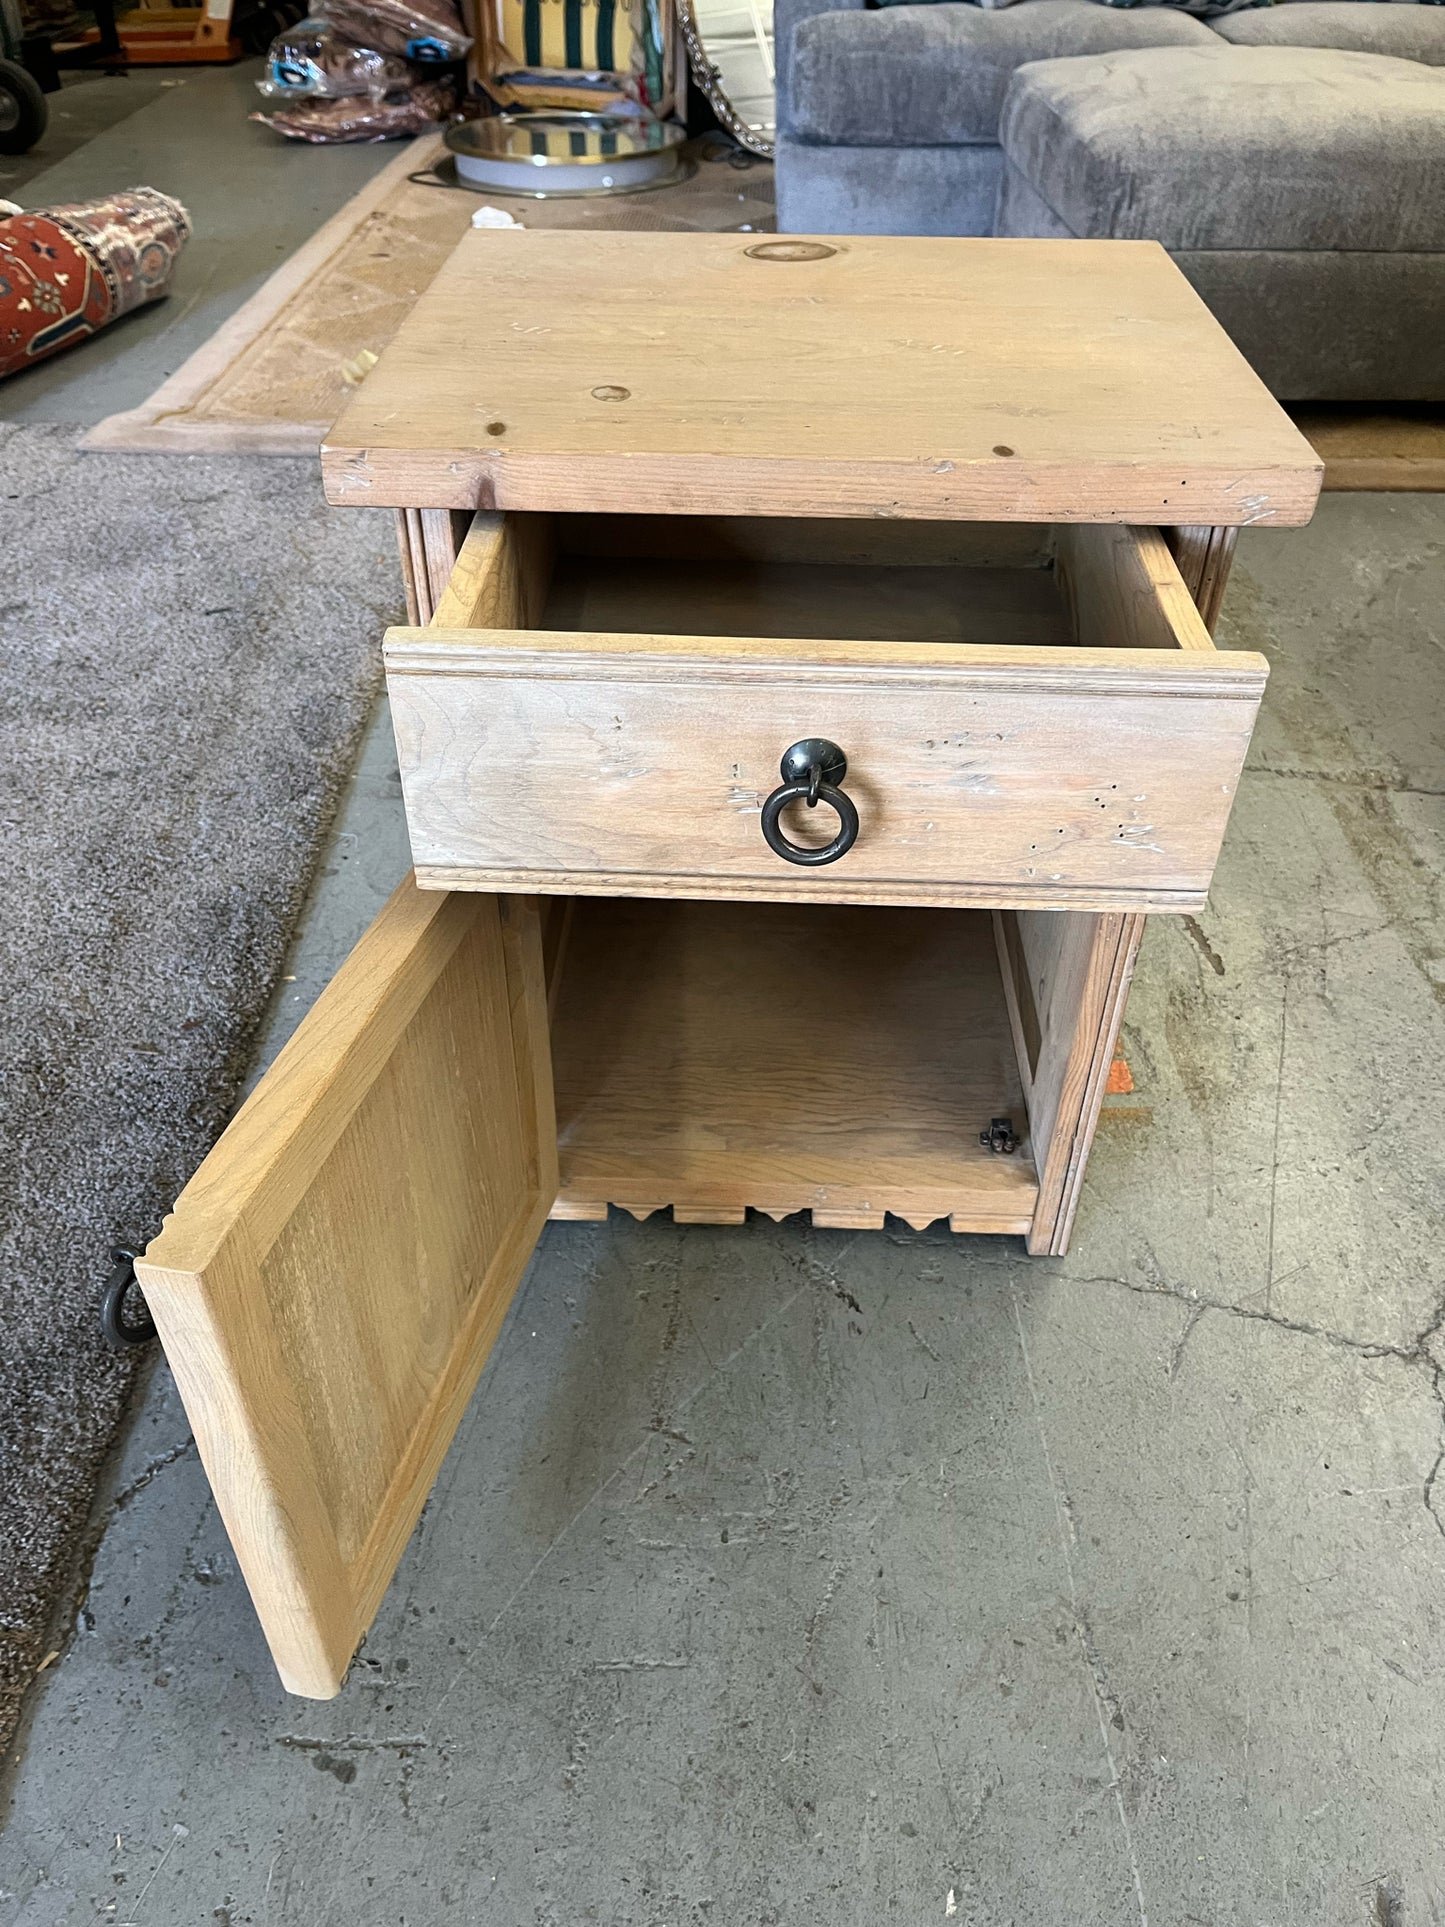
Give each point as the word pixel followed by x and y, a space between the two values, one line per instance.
pixel 925 76
pixel 1200 7
pixel 1235 147
pixel 1405 32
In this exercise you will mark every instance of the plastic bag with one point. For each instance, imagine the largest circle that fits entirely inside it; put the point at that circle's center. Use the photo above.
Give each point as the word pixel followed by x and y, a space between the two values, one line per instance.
pixel 360 119
pixel 313 61
pixel 417 29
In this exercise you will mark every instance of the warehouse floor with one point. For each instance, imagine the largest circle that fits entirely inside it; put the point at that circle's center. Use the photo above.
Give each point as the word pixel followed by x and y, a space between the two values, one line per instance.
pixel 785 1575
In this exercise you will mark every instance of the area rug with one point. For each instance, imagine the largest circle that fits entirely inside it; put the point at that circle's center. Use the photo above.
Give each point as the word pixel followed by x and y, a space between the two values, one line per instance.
pixel 275 377
pixel 189 656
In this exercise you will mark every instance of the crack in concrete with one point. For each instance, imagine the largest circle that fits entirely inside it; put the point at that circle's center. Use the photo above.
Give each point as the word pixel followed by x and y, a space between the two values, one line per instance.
pixel 351 1743
pixel 1416 1352
pixel 1105 1707
pixel 1274 1144
pixel 1434 1473
pixel 1368 779
pixel 185 1449
pixel 924 1343
pixel 1195 931
pixel 1176 1356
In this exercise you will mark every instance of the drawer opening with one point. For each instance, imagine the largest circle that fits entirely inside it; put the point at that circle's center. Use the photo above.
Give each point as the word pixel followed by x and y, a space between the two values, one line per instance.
pixel 635 753
pixel 716 1057
pixel 1028 586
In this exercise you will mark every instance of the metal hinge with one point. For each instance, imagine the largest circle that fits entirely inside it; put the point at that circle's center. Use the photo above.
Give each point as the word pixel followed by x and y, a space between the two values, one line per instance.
pixel 1000 1137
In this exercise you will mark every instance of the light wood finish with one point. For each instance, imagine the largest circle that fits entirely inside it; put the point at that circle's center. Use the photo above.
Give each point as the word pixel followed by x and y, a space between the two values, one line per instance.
pixel 272 381
pixel 1124 590
pixel 428 540
pixel 1203 558
pixel 409 577
pixel 994 380
pixel 595 1213
pixel 713 1057
pixel 638 765
pixel 1016 770
pixel 857 602
pixel 1018 999
pixel 332 1278
pixel 500 577
pixel 1078 973
pixel 442 531
pixel 1102 952
pixel 1067 976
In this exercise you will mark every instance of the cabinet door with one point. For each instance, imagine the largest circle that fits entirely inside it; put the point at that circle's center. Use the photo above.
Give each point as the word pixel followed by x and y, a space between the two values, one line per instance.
pixel 332 1278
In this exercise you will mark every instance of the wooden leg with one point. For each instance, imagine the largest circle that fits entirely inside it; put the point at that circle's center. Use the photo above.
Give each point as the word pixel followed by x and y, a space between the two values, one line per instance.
pixel 1204 556
pixel 1069 974
pixel 407 551
pixel 1071 977
pixel 428 540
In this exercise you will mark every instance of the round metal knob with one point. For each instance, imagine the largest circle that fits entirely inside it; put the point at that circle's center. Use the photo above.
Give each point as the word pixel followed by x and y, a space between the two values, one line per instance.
pixel 811 771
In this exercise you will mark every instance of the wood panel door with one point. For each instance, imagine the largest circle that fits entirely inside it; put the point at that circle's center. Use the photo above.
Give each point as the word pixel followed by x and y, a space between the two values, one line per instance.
pixel 331 1280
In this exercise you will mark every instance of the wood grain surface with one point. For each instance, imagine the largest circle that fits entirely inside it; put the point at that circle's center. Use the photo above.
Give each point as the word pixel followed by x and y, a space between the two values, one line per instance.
pixel 1011 380
pixel 715 1057
pixel 986 776
pixel 331 1279
pixel 993 759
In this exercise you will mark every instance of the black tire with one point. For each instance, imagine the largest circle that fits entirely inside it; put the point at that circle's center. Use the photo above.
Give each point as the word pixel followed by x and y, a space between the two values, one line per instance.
pixel 23 113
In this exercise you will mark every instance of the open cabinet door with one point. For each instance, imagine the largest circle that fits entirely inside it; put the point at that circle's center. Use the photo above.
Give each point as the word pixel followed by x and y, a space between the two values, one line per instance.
pixel 332 1278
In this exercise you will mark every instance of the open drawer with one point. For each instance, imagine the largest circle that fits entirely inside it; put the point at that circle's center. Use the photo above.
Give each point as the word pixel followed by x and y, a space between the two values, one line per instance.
pixel 1031 717
pixel 330 1282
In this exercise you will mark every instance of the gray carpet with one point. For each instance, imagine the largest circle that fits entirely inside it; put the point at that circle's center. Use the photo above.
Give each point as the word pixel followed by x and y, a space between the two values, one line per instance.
pixel 190 651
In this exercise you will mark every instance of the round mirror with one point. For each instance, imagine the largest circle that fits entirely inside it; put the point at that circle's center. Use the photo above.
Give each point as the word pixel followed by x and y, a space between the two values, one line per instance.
pixel 730 47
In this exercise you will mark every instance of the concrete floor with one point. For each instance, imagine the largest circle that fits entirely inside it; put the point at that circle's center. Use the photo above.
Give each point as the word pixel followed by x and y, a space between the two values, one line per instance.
pixel 253 199
pixel 782 1575
pixel 790 1576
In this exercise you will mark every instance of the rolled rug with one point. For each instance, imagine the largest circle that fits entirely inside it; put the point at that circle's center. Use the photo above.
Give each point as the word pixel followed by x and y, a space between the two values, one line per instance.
pixel 65 272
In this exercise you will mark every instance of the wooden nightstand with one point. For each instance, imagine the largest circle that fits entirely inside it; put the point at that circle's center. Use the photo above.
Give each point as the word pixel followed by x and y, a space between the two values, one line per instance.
pixel 933 531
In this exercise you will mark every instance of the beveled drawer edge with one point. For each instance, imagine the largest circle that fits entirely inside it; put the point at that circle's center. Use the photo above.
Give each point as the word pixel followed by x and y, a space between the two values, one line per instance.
pixel 831 888
pixel 544 655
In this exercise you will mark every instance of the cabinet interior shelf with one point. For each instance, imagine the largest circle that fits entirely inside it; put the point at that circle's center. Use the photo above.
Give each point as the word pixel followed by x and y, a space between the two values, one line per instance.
pixel 716 1057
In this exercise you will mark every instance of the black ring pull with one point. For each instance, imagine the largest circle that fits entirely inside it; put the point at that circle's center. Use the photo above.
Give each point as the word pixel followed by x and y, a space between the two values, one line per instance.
pixel 120 1330
pixel 811 771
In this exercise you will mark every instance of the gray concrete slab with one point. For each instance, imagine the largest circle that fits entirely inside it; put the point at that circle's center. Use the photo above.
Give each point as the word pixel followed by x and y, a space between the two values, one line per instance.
pixel 87 105
pixel 253 198
pixel 780 1575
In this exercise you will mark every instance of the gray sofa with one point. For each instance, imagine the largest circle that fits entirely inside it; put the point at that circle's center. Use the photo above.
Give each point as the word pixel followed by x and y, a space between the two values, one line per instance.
pixel 1291 157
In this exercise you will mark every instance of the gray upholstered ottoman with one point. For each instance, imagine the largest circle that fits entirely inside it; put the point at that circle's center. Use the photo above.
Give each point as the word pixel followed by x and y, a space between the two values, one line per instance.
pixel 1301 189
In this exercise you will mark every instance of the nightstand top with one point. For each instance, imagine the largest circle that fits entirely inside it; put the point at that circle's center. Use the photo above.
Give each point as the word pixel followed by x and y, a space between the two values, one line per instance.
pixel 962 380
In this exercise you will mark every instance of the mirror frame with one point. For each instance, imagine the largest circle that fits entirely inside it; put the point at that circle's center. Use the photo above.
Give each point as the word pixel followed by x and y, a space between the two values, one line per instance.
pixel 709 80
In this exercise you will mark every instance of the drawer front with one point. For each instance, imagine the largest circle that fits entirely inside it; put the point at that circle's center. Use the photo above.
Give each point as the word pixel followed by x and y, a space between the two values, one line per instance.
pixel 1042 777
